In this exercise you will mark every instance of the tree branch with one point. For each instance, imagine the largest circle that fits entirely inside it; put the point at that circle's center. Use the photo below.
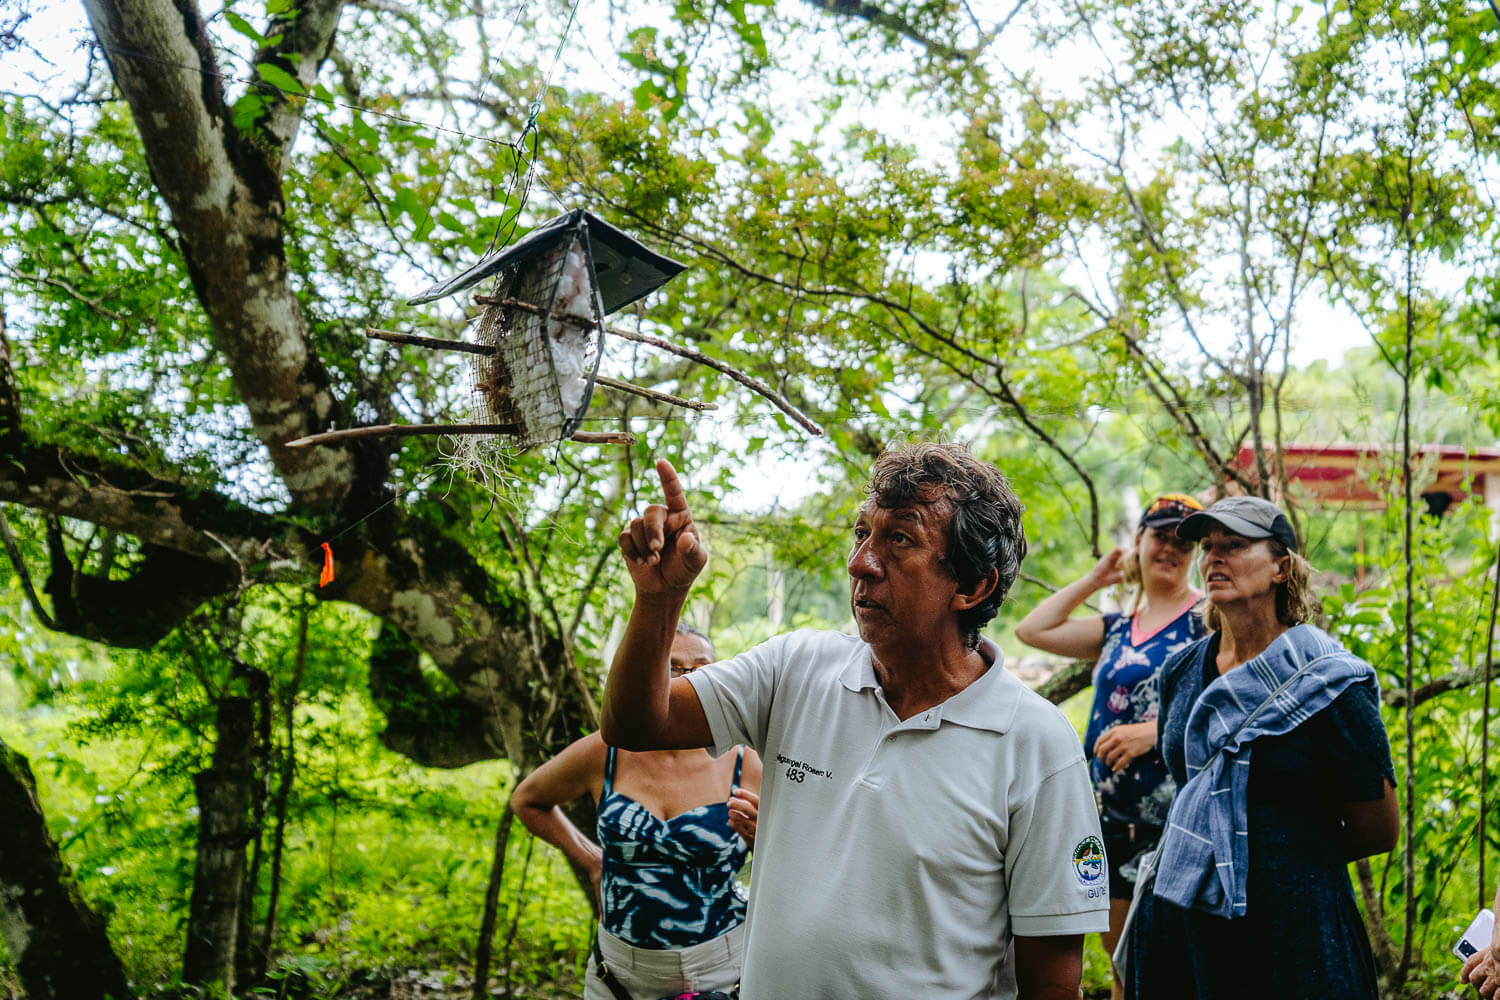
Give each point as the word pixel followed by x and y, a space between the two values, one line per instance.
pixel 305 33
pixel 855 9
pixel 1009 396
pixel 10 400
pixel 13 549
pixel 161 591
pixel 1458 679
pixel 1066 682
pixel 226 204
pixel 1177 407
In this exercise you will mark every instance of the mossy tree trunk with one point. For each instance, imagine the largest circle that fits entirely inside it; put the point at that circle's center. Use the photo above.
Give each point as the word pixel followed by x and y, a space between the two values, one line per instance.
pixel 58 943
pixel 223 831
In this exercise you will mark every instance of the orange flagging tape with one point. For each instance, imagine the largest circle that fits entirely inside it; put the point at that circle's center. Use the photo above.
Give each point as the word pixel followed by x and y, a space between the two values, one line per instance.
pixel 326 577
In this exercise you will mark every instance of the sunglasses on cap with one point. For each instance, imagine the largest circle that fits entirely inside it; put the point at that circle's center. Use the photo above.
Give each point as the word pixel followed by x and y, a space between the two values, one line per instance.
pixel 1169 508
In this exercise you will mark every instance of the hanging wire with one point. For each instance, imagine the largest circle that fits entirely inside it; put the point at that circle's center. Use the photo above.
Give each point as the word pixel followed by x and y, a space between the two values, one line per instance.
pixel 531 130
pixel 556 55
pixel 484 84
pixel 399 496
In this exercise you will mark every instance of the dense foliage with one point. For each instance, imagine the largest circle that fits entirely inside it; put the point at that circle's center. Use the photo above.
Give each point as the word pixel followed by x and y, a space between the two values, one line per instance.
pixel 1101 242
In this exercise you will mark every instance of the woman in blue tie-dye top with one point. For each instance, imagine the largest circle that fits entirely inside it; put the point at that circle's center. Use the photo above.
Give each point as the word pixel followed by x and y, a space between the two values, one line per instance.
pixel 675 827
pixel 1130 779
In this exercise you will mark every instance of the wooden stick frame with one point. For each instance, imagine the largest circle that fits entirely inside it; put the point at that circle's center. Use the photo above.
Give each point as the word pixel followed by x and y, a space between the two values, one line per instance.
pixel 426 430
pixel 603 437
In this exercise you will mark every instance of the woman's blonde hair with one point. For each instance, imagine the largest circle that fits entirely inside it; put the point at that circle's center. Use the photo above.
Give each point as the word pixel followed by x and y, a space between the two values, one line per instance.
pixel 1295 601
pixel 1130 571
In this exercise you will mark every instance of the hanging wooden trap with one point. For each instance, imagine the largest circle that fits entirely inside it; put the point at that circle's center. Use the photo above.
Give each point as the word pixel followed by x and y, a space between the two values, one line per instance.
pixel 540 337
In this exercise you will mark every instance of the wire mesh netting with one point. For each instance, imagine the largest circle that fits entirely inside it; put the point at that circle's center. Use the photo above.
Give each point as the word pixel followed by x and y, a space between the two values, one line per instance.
pixel 546 340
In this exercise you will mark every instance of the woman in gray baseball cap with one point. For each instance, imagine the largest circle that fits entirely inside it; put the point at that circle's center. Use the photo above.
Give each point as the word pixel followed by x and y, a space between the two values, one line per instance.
pixel 1273 733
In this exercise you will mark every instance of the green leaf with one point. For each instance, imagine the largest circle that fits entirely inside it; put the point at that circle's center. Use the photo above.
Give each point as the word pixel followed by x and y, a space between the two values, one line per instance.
pixel 246 111
pixel 647 93
pixel 363 132
pixel 279 78
pixel 751 35
pixel 405 202
pixel 243 27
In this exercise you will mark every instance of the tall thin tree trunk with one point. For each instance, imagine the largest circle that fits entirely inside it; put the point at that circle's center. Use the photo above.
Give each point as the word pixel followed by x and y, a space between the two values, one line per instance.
pixel 1380 938
pixel 258 683
pixel 223 830
pixel 59 945
pixel 1484 728
pixel 1409 857
pixel 510 936
pixel 484 950
pixel 283 796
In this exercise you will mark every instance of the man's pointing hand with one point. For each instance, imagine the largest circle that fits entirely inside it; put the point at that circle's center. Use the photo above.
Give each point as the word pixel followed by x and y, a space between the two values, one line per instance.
pixel 661 547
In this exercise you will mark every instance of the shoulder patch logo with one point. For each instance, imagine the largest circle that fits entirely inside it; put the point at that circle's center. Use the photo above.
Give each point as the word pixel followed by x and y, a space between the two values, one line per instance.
pixel 1088 862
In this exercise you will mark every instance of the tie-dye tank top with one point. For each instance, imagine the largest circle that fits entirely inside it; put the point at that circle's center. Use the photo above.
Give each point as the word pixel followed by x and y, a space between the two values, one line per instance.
pixel 669 883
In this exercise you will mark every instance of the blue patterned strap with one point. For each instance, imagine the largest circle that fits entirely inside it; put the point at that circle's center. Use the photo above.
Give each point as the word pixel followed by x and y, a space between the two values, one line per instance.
pixel 609 770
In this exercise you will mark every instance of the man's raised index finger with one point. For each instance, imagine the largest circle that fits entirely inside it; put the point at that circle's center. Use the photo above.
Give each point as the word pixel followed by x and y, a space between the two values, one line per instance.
pixel 671 486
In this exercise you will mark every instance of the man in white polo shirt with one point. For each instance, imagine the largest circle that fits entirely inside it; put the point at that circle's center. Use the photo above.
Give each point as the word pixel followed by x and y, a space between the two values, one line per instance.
pixel 926 827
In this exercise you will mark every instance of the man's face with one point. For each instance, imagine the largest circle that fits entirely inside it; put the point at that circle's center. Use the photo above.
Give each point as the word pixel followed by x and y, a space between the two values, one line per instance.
pixel 689 652
pixel 899 589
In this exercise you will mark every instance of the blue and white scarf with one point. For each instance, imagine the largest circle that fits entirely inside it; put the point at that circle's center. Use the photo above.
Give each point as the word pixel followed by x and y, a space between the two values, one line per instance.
pixel 1205 850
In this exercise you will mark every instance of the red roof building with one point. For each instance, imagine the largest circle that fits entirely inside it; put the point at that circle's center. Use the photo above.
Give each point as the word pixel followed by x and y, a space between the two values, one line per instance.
pixel 1360 475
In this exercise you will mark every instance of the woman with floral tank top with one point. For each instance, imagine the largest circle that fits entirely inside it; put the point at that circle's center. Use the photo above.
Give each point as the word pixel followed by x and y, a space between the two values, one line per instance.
pixel 1130 779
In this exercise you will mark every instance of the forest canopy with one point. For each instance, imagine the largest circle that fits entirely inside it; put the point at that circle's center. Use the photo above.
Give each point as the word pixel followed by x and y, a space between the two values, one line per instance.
pixel 1116 248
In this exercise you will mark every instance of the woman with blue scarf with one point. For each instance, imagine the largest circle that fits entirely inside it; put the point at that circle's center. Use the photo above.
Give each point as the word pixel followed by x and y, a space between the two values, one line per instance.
pixel 1272 731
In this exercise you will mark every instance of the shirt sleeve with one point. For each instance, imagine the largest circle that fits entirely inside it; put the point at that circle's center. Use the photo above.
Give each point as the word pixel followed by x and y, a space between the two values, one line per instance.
pixel 1056 876
pixel 1357 742
pixel 736 695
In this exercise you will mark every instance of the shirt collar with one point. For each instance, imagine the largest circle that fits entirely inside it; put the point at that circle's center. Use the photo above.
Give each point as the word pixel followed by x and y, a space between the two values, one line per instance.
pixel 989 703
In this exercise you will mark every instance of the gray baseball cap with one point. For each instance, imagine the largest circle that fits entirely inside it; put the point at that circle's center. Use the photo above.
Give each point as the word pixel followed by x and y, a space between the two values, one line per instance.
pixel 1250 517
